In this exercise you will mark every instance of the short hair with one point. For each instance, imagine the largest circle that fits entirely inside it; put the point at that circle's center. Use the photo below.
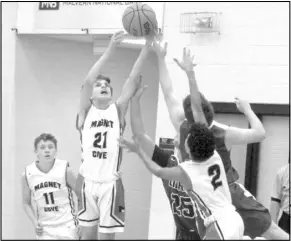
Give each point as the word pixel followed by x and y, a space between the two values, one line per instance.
pixel 107 79
pixel 102 77
pixel 45 137
pixel 201 142
pixel 206 107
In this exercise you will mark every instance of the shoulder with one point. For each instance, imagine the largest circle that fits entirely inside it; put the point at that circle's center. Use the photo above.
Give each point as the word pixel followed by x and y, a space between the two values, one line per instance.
pixel 218 126
pixel 29 169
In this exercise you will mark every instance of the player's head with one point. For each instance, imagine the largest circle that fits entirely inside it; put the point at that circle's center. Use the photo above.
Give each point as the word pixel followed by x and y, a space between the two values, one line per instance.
pixel 206 107
pixel 200 143
pixel 102 89
pixel 45 147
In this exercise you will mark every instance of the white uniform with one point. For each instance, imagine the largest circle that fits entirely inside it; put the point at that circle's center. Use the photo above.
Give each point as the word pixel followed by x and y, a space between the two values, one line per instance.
pixel 211 197
pixel 53 201
pixel 102 194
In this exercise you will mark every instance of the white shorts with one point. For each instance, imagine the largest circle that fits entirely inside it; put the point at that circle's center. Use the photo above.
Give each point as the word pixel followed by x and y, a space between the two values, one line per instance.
pixel 229 226
pixel 65 231
pixel 101 203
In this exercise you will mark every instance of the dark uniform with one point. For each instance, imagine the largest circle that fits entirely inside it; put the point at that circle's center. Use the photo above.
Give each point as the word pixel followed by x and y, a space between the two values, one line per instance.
pixel 180 202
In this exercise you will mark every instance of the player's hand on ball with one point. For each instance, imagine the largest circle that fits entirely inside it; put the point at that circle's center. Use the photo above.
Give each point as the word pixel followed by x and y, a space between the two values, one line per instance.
pixel 117 38
pixel 128 145
pixel 187 62
pixel 242 105
pixel 152 36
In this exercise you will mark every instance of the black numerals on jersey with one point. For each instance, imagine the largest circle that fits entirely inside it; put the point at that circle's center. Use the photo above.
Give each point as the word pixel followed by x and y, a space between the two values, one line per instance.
pixel 100 140
pixel 49 198
pixel 214 171
pixel 182 206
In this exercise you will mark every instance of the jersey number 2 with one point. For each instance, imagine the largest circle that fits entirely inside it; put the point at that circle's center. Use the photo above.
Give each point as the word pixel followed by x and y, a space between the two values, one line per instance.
pixel 46 196
pixel 101 140
pixel 215 170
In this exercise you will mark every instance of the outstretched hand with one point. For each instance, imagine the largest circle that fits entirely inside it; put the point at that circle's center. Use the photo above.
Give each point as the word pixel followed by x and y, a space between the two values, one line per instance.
pixel 186 63
pixel 242 105
pixel 116 38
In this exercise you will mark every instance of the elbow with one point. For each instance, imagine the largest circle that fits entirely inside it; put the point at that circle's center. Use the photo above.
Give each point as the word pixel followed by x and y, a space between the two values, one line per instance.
pixel 261 135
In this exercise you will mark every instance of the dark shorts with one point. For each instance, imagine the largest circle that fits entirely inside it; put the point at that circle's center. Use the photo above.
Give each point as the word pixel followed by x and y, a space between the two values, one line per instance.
pixel 284 222
pixel 186 235
pixel 256 217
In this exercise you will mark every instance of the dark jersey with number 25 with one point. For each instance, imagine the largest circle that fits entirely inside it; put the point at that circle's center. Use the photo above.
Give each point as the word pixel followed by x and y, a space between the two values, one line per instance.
pixel 185 215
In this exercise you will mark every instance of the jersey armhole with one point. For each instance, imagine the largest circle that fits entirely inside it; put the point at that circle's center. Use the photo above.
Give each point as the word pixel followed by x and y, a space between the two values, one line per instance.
pixel 86 111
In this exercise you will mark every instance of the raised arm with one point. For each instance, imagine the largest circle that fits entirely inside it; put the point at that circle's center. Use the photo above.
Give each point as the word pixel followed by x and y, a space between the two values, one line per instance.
pixel 86 91
pixel 241 136
pixel 175 107
pixel 132 82
pixel 26 202
pixel 138 130
pixel 187 66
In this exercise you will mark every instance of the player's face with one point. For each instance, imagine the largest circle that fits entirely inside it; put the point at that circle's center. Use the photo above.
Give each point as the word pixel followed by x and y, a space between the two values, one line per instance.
pixel 101 90
pixel 46 150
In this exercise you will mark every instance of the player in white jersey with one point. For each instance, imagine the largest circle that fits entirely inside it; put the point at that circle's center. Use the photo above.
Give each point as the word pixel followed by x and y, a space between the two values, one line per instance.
pixel 204 178
pixel 47 192
pixel 101 122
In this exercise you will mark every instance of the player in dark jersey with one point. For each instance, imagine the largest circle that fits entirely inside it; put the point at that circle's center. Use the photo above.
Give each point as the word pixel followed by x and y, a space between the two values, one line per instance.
pixel 256 217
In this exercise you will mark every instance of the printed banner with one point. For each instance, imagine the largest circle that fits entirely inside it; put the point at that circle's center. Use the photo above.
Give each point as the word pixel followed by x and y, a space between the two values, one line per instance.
pixel 35 16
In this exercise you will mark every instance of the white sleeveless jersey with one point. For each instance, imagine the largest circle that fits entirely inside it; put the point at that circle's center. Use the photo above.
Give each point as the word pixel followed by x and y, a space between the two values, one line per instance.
pixel 209 184
pixel 101 152
pixel 49 192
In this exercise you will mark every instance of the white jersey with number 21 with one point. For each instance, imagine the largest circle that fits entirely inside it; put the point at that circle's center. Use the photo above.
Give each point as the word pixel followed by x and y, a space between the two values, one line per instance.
pixel 101 152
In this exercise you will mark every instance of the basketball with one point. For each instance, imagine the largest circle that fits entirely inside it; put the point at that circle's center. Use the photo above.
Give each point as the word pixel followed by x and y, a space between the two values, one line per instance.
pixel 139 19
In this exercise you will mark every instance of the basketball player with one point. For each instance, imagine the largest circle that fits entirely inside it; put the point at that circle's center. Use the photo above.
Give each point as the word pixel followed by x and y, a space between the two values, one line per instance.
pixel 257 219
pixel 101 122
pixel 205 174
pixel 281 198
pixel 47 183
